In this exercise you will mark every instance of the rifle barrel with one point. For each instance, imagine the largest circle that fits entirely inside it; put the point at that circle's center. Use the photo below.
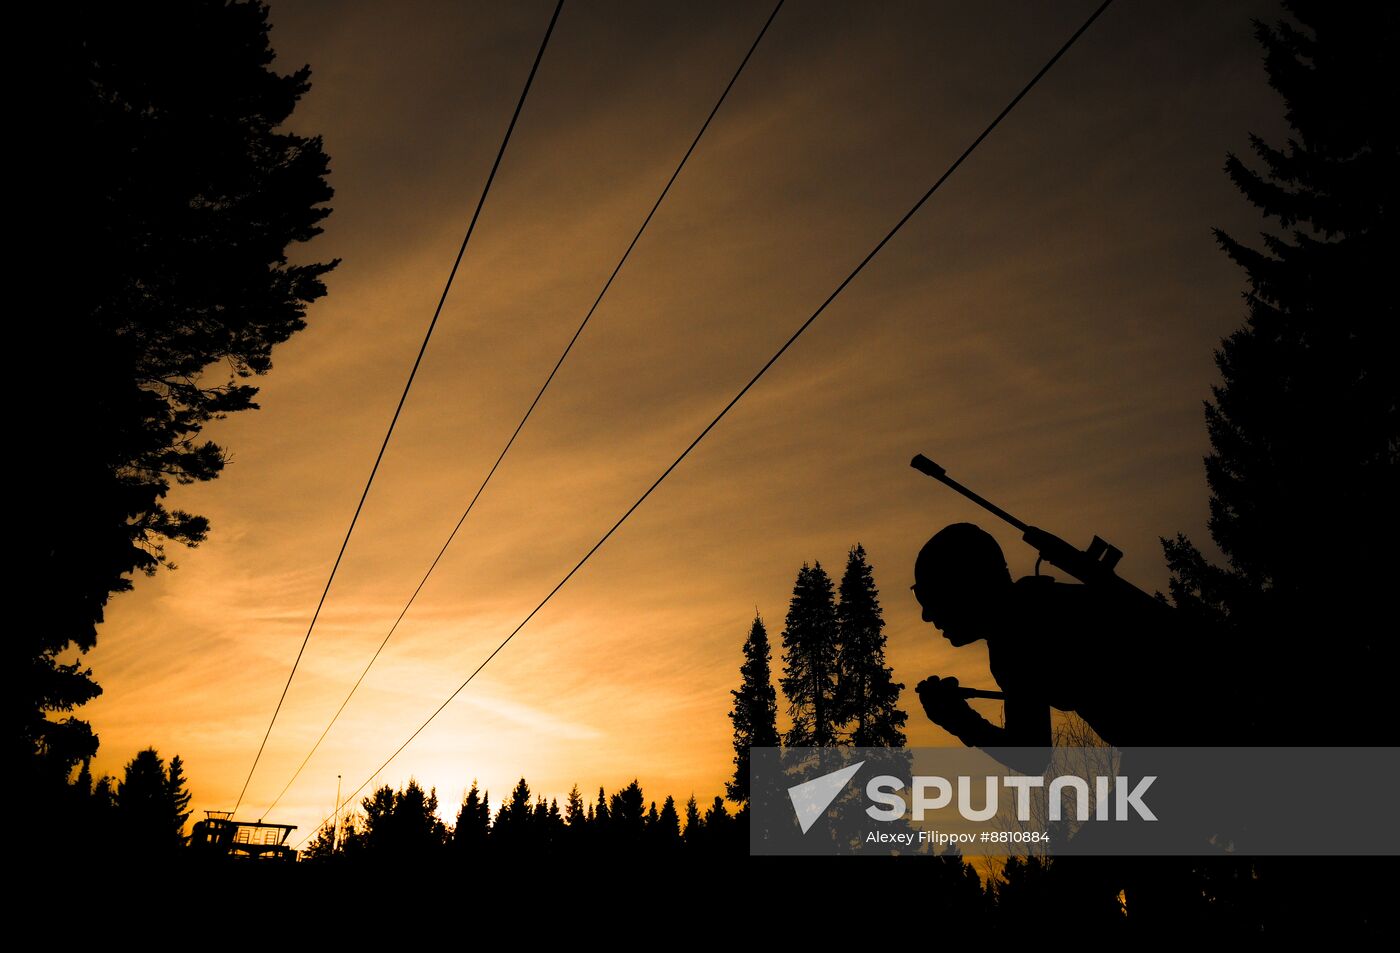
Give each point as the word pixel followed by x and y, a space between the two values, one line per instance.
pixel 926 466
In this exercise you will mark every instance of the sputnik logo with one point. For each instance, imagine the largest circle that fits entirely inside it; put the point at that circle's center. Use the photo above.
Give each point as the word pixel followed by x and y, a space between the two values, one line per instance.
pixel 810 799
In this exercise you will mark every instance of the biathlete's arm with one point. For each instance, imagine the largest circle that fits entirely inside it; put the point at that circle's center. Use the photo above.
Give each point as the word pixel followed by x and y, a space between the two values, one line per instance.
pixel 1027 725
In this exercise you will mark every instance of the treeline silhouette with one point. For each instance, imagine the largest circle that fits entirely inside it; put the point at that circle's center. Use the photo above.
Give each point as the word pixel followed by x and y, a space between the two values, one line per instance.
pixel 403 829
pixel 406 823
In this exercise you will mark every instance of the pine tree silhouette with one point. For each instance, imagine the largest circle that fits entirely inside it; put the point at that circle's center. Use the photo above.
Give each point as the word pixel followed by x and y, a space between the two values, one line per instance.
pixel 668 827
pixel 755 711
pixel 694 827
pixel 627 818
pixel 514 829
pixel 809 660
pixel 868 695
pixel 1305 426
pixel 152 804
pixel 473 828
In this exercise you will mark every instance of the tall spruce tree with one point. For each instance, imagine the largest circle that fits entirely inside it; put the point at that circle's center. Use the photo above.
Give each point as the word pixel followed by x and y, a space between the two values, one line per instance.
pixel 473 822
pixel 514 829
pixel 668 827
pixel 755 711
pixel 867 693
pixel 555 820
pixel 627 817
pixel 575 813
pixel 1305 425
pixel 809 660
pixel 694 826
pixel 416 823
pixel 152 803
pixel 600 815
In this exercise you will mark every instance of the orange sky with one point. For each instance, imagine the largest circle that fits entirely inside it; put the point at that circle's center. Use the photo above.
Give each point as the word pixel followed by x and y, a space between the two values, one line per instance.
pixel 1043 328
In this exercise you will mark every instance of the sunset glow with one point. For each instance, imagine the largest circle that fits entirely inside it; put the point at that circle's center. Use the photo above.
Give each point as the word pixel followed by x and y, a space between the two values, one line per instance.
pixel 1043 329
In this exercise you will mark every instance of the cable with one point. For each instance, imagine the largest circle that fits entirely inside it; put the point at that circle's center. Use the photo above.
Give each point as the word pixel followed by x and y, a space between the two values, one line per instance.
pixel 437 312
pixel 518 427
pixel 745 389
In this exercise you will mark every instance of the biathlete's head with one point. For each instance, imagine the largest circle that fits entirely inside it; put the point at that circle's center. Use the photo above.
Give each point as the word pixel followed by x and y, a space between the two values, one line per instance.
pixel 960 577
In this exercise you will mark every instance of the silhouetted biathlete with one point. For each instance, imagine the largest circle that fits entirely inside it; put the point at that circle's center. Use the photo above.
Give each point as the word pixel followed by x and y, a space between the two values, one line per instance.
pixel 1080 648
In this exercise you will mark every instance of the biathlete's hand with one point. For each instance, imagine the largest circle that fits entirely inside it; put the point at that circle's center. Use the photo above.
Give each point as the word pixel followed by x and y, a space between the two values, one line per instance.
pixel 942 703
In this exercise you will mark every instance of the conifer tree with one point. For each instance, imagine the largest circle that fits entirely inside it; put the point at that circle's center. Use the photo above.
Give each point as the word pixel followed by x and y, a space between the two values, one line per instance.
pixel 719 827
pixel 575 814
pixel 627 811
pixel 514 827
pixel 152 803
pixel 473 822
pixel 549 825
pixel 868 694
pixel 809 660
pixel 1305 424
pixel 668 827
pixel 178 797
pixel 755 711
pixel 694 827
pixel 600 824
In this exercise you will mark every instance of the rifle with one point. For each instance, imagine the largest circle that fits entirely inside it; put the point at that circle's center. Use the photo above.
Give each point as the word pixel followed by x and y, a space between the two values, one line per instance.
pixel 1093 566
